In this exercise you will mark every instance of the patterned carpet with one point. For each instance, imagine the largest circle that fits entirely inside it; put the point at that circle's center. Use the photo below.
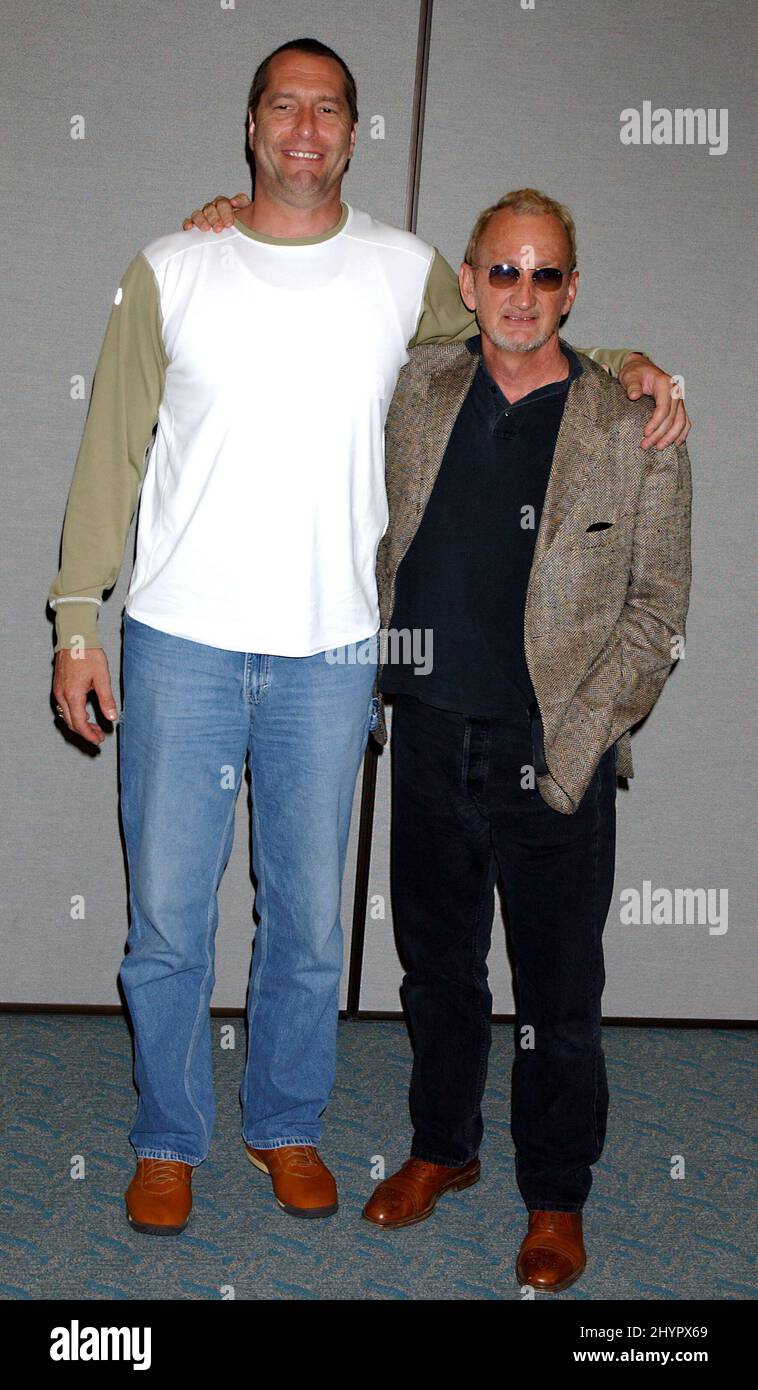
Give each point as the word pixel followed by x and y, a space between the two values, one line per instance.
pixel 67 1092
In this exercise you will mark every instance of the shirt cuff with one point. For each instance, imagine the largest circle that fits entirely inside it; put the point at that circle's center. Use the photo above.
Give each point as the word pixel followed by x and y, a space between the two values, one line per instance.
pixel 76 623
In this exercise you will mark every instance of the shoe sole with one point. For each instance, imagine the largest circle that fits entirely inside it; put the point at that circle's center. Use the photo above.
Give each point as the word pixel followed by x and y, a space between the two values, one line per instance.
pixel 457 1186
pixel 309 1213
pixel 147 1229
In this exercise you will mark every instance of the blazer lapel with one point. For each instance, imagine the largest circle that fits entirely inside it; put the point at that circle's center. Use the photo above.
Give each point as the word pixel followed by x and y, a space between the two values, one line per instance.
pixel 446 391
pixel 419 423
pixel 579 450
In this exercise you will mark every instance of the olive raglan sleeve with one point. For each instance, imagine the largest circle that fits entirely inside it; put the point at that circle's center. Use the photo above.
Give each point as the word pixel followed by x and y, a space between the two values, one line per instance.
pixel 110 465
pixel 444 317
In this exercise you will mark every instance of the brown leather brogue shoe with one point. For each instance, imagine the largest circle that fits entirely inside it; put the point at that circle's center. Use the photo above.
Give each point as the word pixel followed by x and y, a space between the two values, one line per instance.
pixel 552 1253
pixel 159 1196
pixel 411 1194
pixel 302 1183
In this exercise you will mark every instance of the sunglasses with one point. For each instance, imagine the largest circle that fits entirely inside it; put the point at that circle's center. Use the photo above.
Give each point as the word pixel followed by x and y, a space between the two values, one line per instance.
pixel 504 277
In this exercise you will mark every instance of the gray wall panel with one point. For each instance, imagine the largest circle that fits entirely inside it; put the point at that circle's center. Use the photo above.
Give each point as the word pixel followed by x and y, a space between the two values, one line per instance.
pixel 533 97
pixel 514 96
pixel 163 91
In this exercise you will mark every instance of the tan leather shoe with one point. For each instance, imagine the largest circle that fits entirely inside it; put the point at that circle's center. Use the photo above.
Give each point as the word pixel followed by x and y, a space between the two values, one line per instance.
pixel 552 1253
pixel 159 1196
pixel 410 1195
pixel 302 1183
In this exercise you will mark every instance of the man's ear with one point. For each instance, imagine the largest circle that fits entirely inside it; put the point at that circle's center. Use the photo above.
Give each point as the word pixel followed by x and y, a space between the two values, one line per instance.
pixel 572 290
pixel 466 286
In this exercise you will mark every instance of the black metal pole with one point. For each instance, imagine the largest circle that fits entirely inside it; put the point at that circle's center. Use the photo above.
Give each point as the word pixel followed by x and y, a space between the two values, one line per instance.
pixel 368 786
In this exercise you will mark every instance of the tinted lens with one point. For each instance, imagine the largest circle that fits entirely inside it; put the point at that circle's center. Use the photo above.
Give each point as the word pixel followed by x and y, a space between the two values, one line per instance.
pixel 504 276
pixel 548 277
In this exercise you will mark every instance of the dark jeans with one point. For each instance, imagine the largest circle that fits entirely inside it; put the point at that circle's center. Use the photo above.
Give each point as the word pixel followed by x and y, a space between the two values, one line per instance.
pixel 461 818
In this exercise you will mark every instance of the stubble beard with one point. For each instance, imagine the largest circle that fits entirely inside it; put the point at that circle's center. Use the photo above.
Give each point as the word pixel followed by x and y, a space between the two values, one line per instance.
pixel 518 345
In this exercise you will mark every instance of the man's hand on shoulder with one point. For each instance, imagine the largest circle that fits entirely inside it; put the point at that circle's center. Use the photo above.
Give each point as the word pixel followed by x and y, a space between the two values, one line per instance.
pixel 216 215
pixel 669 422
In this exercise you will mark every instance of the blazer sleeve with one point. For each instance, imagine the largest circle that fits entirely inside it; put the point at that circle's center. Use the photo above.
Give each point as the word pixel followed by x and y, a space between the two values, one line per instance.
pixel 649 635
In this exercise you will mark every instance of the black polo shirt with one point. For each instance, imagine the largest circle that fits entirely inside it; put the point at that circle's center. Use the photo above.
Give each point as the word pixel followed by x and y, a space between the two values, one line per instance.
pixel 466 572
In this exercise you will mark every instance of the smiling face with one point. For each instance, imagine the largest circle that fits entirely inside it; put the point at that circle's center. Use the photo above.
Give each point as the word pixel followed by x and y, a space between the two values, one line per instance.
pixel 302 135
pixel 524 317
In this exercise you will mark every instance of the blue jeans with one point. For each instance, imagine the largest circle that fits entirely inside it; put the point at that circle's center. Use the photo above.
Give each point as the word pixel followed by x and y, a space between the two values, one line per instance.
pixel 191 713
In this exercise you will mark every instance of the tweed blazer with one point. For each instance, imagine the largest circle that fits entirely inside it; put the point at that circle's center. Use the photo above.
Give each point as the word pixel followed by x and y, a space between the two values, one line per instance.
pixel 605 608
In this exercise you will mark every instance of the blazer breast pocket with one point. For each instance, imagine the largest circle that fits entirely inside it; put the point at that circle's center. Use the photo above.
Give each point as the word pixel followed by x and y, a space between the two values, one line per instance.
pixel 602 534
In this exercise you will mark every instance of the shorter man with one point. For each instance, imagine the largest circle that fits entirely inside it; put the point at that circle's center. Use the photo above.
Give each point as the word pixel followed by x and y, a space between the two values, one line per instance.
pixel 549 555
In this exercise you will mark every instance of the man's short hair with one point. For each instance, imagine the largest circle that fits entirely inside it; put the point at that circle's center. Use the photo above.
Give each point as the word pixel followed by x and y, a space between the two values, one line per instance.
pixel 524 200
pixel 318 50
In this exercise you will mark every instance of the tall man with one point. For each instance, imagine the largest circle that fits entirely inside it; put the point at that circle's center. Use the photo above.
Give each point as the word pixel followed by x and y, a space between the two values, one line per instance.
pixel 266 357
pixel 550 558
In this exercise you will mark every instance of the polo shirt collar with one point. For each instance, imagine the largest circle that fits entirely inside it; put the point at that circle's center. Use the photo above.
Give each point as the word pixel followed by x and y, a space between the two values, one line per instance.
pixel 474 345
